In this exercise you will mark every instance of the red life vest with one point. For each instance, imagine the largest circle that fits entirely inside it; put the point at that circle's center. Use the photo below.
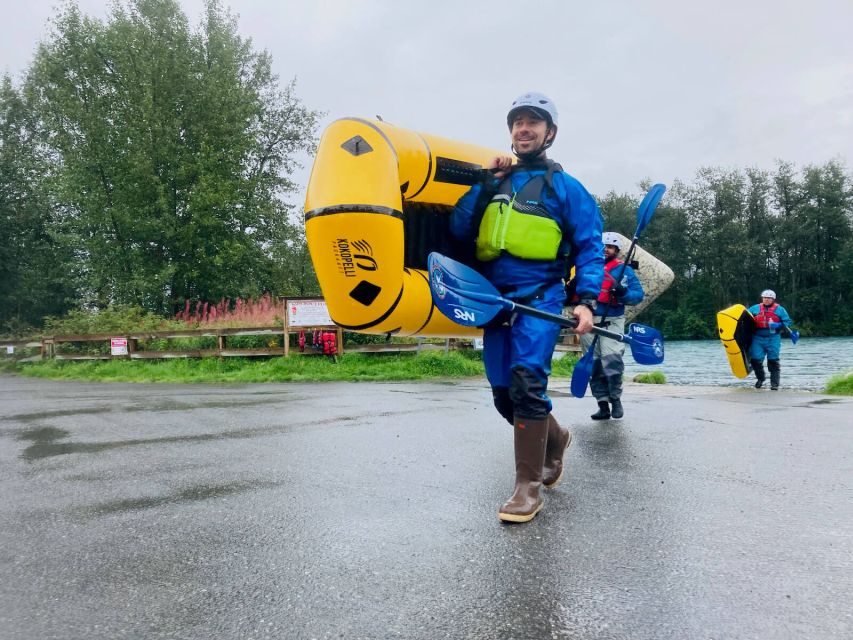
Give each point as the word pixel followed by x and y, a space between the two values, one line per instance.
pixel 330 340
pixel 766 315
pixel 609 282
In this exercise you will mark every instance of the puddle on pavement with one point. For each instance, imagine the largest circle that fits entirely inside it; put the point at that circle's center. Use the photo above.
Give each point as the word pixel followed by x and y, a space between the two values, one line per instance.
pixel 820 401
pixel 190 494
pixel 46 445
pixel 160 405
pixel 43 434
pixel 46 415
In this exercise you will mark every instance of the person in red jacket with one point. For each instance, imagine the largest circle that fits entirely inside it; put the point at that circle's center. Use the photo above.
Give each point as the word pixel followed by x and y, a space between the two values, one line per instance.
pixel 770 318
pixel 608 367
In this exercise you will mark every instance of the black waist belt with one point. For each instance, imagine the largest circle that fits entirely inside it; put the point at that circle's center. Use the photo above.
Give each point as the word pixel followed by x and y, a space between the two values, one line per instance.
pixel 526 300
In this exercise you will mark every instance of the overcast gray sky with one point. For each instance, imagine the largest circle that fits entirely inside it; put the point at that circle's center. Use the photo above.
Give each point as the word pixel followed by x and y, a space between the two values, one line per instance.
pixel 651 89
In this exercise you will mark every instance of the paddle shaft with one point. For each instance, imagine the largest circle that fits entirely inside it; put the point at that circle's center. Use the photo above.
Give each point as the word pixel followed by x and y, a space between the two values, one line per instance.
pixel 583 370
pixel 642 223
pixel 566 322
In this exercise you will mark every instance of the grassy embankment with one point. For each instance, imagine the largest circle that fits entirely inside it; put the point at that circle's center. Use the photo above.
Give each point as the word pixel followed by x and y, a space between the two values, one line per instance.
pixel 349 368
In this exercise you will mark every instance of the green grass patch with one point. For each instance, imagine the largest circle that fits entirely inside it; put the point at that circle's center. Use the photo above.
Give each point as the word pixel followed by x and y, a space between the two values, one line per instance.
pixel 653 377
pixel 841 384
pixel 354 367
pixel 563 367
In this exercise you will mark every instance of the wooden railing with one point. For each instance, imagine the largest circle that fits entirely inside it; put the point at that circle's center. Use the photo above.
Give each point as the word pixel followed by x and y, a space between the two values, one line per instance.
pixel 48 346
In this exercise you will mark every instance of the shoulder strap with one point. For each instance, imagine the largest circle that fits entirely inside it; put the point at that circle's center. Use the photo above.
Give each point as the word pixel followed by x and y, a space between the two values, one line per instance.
pixel 532 189
pixel 549 173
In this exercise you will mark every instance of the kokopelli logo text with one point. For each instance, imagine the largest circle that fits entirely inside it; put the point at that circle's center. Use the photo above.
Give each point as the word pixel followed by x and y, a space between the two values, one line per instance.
pixel 353 255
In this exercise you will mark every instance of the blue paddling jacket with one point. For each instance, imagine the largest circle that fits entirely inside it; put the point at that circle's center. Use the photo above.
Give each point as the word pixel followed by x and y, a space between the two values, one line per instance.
pixel 576 213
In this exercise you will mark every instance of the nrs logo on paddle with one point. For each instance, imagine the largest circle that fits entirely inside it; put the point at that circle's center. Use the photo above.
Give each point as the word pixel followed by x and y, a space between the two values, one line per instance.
pixel 465 316
pixel 348 260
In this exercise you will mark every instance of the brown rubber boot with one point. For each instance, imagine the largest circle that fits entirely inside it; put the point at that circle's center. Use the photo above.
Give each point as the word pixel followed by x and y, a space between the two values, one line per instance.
pixel 531 437
pixel 559 439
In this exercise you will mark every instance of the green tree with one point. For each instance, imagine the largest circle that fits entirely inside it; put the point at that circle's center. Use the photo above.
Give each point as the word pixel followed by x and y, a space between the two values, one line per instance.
pixel 175 147
pixel 33 265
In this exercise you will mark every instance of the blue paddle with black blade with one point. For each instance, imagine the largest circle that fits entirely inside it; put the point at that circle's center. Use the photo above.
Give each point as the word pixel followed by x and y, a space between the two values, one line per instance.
pixel 583 369
pixel 469 299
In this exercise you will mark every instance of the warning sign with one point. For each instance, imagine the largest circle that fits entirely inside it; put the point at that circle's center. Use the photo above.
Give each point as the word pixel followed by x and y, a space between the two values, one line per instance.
pixel 308 313
pixel 118 346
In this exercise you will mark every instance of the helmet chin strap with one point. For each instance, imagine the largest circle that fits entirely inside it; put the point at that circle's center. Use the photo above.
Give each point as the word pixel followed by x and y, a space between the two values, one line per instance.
pixel 533 156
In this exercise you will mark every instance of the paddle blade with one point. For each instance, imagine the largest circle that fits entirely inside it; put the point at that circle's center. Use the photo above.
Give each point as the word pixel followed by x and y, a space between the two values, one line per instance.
pixel 461 293
pixel 795 336
pixel 647 207
pixel 646 344
pixel 583 372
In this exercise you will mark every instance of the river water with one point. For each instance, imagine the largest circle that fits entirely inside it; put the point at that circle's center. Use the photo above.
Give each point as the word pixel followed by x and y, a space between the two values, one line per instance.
pixel 807 365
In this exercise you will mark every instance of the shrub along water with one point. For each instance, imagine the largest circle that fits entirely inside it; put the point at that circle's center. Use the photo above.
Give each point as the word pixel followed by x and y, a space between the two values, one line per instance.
pixel 841 385
pixel 652 377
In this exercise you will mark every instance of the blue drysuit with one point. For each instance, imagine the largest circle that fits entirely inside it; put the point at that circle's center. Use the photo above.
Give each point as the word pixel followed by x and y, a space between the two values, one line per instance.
pixel 517 354
pixel 767 342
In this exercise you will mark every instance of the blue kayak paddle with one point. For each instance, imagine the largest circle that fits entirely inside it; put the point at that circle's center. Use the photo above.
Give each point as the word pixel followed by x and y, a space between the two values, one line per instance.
pixel 469 299
pixel 583 369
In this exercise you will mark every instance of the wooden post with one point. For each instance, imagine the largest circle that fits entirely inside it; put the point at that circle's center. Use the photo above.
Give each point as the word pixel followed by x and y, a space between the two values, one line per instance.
pixel 286 332
pixel 340 341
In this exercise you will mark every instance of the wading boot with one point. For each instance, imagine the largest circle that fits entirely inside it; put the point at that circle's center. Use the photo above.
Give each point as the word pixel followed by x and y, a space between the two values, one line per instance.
pixel 775 374
pixel 559 439
pixel 531 437
pixel 758 368
pixel 603 412
pixel 616 410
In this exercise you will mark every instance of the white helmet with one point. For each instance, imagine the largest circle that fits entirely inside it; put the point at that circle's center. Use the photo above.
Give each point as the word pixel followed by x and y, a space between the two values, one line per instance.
pixel 538 102
pixel 611 238
pixel 768 293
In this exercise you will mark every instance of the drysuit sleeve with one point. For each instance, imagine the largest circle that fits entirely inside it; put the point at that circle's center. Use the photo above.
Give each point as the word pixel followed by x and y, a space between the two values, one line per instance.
pixel 784 317
pixel 463 217
pixel 585 228
pixel 635 293
pixel 466 215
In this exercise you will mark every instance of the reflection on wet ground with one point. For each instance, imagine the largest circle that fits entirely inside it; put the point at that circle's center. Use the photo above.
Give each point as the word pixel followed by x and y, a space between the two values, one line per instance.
pixel 370 511
pixel 46 445
pixel 190 494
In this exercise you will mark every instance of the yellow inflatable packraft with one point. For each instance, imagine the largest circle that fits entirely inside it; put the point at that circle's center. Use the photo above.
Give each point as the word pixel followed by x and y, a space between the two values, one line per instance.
pixel 735 326
pixel 378 202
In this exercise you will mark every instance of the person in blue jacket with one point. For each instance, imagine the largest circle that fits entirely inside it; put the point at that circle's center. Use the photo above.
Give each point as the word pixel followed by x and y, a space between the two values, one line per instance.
pixel 608 366
pixel 528 223
pixel 770 318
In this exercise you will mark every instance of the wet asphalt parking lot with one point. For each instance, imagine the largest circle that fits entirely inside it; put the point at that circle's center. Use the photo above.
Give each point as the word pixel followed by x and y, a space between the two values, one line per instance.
pixel 342 510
